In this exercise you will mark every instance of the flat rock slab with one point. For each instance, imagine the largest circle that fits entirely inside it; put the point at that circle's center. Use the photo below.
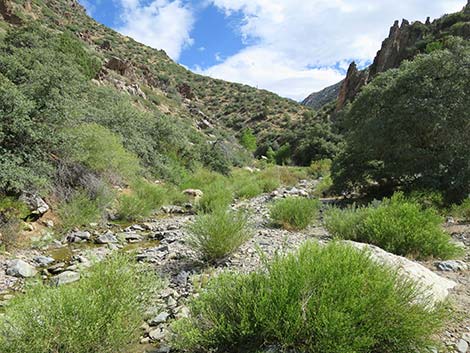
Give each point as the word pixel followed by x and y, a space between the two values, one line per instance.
pixel 434 285
pixel 65 278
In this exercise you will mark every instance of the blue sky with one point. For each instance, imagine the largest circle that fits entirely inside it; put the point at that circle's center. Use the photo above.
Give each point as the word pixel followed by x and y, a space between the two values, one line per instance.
pixel 290 47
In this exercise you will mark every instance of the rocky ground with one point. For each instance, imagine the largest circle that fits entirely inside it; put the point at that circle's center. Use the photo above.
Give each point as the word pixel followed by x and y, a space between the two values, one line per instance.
pixel 161 242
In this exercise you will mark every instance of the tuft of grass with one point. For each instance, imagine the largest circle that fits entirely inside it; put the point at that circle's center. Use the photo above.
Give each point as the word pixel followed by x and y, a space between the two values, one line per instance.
pixel 218 234
pixel 81 209
pixel 294 213
pixel 143 199
pixel 462 211
pixel 324 299
pixel 397 225
pixel 217 196
pixel 101 313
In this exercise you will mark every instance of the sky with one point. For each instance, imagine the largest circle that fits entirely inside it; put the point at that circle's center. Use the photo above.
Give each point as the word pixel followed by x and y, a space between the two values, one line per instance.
pixel 290 47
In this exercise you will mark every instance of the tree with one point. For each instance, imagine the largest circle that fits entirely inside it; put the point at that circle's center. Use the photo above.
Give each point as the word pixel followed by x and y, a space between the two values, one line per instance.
pixel 410 127
pixel 248 140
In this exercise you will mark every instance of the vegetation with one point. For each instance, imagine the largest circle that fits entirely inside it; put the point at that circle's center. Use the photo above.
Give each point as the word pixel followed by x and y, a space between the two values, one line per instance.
pixel 218 234
pixel 407 128
pixel 101 313
pixel 324 299
pixel 248 140
pixel 396 225
pixel 461 211
pixel 294 213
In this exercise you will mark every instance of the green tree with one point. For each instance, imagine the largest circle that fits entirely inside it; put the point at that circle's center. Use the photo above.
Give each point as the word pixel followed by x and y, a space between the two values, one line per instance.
pixel 410 127
pixel 248 140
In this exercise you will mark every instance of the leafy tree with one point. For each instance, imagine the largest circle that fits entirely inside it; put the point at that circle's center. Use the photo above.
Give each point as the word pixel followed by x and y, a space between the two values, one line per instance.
pixel 410 127
pixel 283 154
pixel 248 140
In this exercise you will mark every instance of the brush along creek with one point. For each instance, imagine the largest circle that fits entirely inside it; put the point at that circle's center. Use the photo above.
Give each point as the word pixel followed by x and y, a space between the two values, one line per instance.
pixel 160 241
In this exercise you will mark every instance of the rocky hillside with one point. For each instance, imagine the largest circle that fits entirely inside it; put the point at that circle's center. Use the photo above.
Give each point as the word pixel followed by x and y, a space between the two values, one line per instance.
pixel 404 42
pixel 144 72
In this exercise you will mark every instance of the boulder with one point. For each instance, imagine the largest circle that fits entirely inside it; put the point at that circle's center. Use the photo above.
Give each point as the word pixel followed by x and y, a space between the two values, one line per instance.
pixel 36 204
pixel 451 266
pixel 434 286
pixel 106 238
pixel 43 261
pixel 65 278
pixel 78 236
pixel 20 268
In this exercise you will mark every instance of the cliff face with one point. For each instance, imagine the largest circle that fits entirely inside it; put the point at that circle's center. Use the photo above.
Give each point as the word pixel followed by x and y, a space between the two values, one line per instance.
pixel 399 46
pixel 319 99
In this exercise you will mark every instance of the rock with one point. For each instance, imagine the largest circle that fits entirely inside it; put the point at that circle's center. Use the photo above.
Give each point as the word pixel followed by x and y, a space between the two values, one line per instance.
pixel 43 261
pixel 122 67
pixel 78 236
pixel 462 346
pixel 132 237
pixel 49 223
pixel 20 268
pixel 159 319
pixel 106 238
pixel 36 204
pixel 196 193
pixel 451 266
pixel 57 268
pixel 157 334
pixel 433 285
pixel 65 278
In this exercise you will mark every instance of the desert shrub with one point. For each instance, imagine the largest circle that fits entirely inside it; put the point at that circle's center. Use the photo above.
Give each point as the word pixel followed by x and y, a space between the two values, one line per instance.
pixel 389 146
pixel 320 168
pixel 324 186
pixel 102 151
pixel 82 209
pixel 461 211
pixel 246 184
pixel 294 212
pixel 101 313
pixel 217 196
pixel 323 299
pixel 143 198
pixel 396 225
pixel 269 179
pixel 218 234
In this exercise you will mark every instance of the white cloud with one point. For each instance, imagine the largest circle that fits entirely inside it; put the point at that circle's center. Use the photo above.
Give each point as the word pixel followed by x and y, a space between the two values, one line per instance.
pixel 162 24
pixel 292 36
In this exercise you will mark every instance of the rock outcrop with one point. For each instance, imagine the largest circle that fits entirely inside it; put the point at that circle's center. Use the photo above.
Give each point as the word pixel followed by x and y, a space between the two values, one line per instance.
pixel 351 85
pixel 319 99
pixel 6 10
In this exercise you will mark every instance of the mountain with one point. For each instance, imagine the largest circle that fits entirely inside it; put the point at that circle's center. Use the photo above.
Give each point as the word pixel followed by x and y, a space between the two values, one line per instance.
pixel 72 72
pixel 404 42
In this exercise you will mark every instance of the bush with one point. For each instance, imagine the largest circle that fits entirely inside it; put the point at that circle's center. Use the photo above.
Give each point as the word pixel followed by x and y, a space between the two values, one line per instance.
pixel 81 209
pixel 248 140
pixel 217 196
pixel 324 299
pixel 294 213
pixel 102 151
pixel 320 168
pixel 398 129
pixel 323 188
pixel 102 313
pixel 219 234
pixel 141 201
pixel 461 211
pixel 396 225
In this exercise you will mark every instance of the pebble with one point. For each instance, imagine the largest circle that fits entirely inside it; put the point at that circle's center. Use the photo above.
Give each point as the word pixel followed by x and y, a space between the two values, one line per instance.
pixel 462 346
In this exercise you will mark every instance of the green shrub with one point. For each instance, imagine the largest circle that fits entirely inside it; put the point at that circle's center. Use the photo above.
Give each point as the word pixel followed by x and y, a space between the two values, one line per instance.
pixel 217 196
pixel 461 211
pixel 396 225
pixel 102 313
pixel 323 188
pixel 320 168
pixel 294 213
pixel 218 234
pixel 81 209
pixel 141 201
pixel 324 299
pixel 248 140
pixel 428 198
pixel 102 151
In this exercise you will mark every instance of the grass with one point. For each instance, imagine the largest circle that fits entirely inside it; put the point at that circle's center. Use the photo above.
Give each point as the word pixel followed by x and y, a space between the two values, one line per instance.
pixel 218 234
pixel 397 225
pixel 324 299
pixel 462 211
pixel 320 168
pixel 101 313
pixel 294 213
pixel 82 210
pixel 142 200
pixel 217 196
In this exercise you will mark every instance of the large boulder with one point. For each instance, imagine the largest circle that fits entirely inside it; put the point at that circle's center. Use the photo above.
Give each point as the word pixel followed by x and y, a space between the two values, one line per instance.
pixel 20 268
pixel 36 204
pixel 434 286
pixel 65 278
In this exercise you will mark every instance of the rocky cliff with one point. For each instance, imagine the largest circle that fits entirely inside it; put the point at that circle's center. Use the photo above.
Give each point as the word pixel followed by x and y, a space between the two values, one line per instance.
pixel 404 41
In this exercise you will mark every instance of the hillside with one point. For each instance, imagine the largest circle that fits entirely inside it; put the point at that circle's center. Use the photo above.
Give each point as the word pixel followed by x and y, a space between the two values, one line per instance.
pixel 405 41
